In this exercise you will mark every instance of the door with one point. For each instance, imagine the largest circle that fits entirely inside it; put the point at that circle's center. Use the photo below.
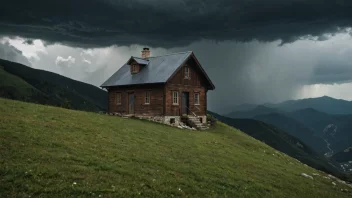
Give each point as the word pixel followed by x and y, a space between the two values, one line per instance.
pixel 185 103
pixel 131 103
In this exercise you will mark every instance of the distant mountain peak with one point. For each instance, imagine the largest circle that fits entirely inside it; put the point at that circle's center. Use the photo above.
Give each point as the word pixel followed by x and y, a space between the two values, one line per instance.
pixel 327 97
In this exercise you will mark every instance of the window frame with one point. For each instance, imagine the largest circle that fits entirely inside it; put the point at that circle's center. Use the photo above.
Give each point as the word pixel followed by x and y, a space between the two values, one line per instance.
pixel 134 68
pixel 187 74
pixel 175 97
pixel 147 97
pixel 118 97
pixel 196 102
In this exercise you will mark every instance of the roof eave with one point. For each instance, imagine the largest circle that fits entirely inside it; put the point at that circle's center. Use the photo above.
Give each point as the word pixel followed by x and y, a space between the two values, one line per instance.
pixel 106 86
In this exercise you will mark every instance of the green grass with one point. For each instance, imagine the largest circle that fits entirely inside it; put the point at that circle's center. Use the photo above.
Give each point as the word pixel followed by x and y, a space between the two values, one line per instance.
pixel 14 86
pixel 54 152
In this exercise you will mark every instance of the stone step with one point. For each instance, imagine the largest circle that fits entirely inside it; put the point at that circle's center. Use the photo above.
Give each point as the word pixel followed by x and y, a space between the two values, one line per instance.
pixel 196 122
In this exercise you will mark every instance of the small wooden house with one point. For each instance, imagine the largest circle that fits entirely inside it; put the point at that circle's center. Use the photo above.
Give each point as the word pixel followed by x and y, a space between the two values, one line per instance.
pixel 163 87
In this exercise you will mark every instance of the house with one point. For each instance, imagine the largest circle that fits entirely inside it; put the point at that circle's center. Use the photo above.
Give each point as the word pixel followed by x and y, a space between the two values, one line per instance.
pixel 161 87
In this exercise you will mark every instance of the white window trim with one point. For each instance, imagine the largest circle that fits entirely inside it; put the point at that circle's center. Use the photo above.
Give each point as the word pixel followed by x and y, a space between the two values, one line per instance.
pixel 118 96
pixel 198 101
pixel 147 97
pixel 173 98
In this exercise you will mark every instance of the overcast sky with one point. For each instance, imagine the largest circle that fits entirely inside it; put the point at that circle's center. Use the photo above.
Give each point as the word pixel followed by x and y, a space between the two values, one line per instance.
pixel 254 51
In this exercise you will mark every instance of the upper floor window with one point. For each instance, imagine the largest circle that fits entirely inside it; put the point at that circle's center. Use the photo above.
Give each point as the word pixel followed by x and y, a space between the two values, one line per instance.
pixel 175 97
pixel 187 72
pixel 134 68
pixel 118 98
pixel 147 97
pixel 196 98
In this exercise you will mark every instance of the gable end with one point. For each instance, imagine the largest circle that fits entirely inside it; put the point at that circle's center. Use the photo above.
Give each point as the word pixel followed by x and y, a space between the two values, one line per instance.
pixel 208 81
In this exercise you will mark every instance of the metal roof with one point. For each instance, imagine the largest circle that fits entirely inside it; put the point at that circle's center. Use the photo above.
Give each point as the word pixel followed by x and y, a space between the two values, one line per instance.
pixel 157 70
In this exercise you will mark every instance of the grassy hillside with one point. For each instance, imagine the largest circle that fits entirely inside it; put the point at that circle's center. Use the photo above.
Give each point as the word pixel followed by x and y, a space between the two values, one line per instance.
pixel 54 152
pixel 20 82
pixel 12 86
pixel 282 141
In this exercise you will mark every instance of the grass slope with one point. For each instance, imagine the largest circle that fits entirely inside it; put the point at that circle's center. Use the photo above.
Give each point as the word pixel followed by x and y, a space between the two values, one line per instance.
pixel 20 82
pixel 12 86
pixel 282 141
pixel 54 152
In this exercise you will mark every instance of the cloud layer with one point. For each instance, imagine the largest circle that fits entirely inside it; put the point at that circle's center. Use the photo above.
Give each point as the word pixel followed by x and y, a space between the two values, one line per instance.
pixel 172 23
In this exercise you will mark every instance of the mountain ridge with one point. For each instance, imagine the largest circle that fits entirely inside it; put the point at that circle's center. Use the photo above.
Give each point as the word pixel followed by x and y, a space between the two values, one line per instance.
pixel 325 104
pixel 46 87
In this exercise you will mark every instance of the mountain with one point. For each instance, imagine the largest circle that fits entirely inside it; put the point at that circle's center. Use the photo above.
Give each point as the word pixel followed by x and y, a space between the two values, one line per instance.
pixel 258 110
pixel 334 129
pixel 20 82
pixel 244 107
pixel 324 123
pixel 296 129
pixel 344 156
pixel 323 104
pixel 280 140
pixel 327 134
pixel 57 152
pixel 310 116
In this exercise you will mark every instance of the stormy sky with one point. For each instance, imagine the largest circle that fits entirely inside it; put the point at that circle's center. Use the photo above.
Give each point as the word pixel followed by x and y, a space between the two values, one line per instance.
pixel 254 51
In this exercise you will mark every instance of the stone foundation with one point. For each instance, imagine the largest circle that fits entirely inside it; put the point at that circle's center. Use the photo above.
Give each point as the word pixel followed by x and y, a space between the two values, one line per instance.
pixel 204 119
pixel 168 120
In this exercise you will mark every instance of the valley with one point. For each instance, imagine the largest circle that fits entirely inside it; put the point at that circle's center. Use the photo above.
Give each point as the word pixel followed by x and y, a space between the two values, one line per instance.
pixel 313 121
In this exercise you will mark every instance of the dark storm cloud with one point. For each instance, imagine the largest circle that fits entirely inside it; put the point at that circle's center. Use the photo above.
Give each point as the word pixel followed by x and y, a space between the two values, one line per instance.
pixel 332 73
pixel 171 23
pixel 28 41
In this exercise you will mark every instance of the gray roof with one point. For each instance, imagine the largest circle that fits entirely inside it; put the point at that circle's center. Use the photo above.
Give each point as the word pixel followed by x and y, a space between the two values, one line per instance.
pixel 141 61
pixel 157 70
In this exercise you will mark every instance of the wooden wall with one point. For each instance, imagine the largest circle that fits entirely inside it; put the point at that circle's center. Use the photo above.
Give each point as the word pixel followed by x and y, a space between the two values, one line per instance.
pixel 195 84
pixel 161 94
pixel 156 99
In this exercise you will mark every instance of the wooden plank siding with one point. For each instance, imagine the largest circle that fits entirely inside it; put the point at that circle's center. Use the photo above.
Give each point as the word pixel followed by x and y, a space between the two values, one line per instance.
pixel 156 106
pixel 194 84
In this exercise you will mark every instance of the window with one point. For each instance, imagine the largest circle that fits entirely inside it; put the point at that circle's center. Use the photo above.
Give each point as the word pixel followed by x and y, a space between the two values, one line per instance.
pixel 175 97
pixel 147 97
pixel 134 68
pixel 196 98
pixel 187 75
pixel 118 98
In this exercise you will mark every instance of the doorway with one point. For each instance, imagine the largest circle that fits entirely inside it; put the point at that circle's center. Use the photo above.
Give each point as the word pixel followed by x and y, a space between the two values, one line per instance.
pixel 185 103
pixel 131 103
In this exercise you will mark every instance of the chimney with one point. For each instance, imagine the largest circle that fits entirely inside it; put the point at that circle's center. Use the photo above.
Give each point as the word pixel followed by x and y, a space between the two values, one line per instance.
pixel 145 53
